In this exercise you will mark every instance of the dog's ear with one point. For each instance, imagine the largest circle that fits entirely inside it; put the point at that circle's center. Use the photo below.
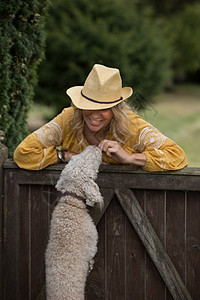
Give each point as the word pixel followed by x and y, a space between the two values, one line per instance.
pixel 92 193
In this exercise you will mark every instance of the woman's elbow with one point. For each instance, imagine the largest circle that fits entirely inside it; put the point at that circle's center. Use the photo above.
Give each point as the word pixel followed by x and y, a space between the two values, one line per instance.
pixel 23 158
pixel 17 154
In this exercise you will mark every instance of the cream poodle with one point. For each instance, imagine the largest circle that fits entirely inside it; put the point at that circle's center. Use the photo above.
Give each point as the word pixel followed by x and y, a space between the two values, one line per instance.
pixel 73 236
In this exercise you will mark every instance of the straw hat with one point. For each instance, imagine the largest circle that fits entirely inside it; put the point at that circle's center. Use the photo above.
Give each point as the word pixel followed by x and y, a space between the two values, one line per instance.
pixel 102 89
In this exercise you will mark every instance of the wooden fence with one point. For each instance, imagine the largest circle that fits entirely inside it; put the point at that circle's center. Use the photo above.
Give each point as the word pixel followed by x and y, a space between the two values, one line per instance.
pixel 149 233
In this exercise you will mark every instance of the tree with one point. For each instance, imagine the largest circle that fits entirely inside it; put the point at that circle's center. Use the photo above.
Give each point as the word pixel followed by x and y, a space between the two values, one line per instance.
pixel 81 33
pixel 166 8
pixel 184 32
pixel 21 50
pixel 181 22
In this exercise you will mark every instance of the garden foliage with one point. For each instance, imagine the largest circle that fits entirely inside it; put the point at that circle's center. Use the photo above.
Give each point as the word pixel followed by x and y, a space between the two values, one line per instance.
pixel 81 33
pixel 21 50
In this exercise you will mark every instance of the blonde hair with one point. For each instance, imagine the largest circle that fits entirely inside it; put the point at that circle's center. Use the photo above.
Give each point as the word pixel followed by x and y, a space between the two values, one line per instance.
pixel 119 125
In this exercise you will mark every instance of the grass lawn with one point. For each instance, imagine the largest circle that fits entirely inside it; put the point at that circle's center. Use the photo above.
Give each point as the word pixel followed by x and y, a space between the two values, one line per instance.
pixel 176 114
pixel 39 114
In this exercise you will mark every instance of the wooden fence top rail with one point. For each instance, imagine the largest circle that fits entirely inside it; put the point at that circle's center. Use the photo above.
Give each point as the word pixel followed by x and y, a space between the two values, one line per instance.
pixel 188 171
pixel 116 176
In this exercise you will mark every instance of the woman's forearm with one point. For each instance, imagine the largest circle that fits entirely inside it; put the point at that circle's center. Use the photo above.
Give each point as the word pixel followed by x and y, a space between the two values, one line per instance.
pixel 138 159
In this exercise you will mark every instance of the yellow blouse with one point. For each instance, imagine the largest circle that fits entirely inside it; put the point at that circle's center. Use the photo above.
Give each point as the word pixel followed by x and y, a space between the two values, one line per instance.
pixel 38 150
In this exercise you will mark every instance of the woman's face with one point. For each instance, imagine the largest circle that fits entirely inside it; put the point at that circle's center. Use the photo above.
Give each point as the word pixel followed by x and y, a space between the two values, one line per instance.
pixel 97 119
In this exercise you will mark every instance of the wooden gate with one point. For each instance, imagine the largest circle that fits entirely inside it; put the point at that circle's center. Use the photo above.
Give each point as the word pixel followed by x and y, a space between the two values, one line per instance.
pixel 149 233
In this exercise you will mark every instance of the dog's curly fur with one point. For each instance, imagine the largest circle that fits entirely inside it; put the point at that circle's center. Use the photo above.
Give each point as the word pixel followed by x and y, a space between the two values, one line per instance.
pixel 73 236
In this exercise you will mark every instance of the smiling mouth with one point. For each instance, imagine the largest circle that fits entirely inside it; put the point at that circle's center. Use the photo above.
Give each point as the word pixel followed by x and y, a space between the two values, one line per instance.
pixel 93 122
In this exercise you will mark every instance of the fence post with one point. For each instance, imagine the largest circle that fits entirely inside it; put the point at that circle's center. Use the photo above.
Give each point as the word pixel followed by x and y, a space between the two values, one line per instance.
pixel 3 157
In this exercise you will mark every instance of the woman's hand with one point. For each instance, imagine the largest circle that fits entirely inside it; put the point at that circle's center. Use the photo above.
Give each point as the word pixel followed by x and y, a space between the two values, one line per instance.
pixel 113 150
pixel 65 155
pixel 68 155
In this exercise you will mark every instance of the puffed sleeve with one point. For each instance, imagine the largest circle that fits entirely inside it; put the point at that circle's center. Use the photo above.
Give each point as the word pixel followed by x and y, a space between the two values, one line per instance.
pixel 161 152
pixel 169 156
pixel 38 149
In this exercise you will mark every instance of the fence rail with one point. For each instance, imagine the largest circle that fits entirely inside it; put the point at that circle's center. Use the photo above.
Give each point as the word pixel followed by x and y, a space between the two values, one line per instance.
pixel 169 204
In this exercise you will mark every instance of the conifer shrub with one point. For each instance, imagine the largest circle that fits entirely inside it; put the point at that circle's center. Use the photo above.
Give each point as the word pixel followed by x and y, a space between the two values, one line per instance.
pixel 21 50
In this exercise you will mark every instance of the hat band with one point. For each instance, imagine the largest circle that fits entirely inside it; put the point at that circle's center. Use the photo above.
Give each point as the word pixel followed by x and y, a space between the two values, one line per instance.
pixel 101 102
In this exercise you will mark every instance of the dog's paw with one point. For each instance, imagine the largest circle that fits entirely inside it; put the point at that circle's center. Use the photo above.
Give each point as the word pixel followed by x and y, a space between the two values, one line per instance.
pixel 90 203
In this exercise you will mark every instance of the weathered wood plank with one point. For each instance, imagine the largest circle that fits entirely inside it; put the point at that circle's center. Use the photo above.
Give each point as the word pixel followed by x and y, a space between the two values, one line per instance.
pixel 11 237
pixel 117 180
pixel 152 244
pixel 175 231
pixel 3 157
pixel 115 252
pixel 37 177
pixel 135 259
pixel 24 239
pixel 155 211
pixel 38 239
pixel 150 181
pixel 193 244
pixel 118 176
pixel 9 164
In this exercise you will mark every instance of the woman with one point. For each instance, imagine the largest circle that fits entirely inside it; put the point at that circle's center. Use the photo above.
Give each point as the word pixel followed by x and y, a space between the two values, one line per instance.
pixel 99 116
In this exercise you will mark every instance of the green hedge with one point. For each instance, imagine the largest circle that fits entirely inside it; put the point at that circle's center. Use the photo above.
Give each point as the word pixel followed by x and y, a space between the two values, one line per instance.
pixel 21 50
